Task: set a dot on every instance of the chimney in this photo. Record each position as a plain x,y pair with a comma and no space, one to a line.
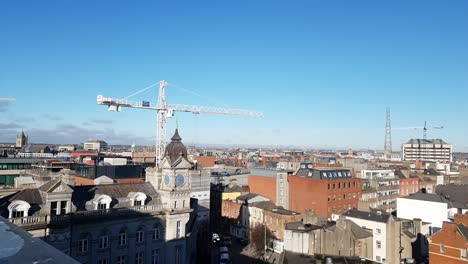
417,226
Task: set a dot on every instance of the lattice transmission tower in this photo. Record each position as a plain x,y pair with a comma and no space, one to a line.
388,133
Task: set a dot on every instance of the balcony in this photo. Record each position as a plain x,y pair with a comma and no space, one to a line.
388,187
388,197
35,222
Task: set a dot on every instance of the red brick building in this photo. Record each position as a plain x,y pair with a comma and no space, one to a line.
409,185
205,161
450,244
325,191
263,185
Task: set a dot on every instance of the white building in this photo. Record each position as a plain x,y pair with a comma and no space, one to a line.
97,145
428,207
427,150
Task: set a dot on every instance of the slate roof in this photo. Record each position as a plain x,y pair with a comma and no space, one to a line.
463,231
457,193
280,210
300,226
32,196
49,185
458,200
83,194
358,231
375,217
263,205
247,196
429,197
325,173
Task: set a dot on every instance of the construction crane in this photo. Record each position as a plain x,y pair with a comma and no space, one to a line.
424,128
165,111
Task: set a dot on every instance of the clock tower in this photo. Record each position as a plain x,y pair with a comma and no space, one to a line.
174,184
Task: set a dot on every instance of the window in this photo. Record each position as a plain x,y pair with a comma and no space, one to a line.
103,242
53,208
463,253
442,248
339,185
377,258
137,203
378,243
83,245
175,204
328,186
178,231
103,261
122,239
378,230
18,214
63,207
155,256
140,236
156,233
121,259
102,206
349,185
139,258
334,187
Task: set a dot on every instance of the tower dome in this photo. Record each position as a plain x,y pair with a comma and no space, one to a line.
176,149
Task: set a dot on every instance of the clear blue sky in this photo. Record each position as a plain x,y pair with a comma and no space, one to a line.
323,72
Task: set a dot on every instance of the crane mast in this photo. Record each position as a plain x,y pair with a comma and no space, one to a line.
165,111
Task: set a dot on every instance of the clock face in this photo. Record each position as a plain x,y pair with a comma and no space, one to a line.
179,180
167,179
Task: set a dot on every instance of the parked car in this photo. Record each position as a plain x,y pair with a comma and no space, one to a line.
224,258
223,250
224,173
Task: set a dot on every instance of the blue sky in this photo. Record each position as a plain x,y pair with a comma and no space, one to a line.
323,72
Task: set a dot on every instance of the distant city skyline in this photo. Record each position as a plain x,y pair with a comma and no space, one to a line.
322,72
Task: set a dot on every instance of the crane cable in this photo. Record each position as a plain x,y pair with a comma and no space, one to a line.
197,94
142,90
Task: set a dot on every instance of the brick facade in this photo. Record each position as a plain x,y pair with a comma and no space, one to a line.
449,245
409,186
324,197
265,186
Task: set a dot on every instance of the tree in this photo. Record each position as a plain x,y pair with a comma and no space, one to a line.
257,236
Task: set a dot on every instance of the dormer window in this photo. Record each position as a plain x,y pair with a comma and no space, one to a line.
137,198
18,208
103,202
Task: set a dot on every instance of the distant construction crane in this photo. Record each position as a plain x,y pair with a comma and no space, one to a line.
165,111
424,128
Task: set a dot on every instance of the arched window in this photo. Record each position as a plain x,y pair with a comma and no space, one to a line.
102,202
137,198
18,208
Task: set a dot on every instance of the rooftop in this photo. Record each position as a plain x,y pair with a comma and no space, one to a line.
371,216
325,173
426,141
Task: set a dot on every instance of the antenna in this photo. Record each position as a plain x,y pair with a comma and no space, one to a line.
388,133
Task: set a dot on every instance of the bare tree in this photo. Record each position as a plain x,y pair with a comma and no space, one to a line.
258,236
